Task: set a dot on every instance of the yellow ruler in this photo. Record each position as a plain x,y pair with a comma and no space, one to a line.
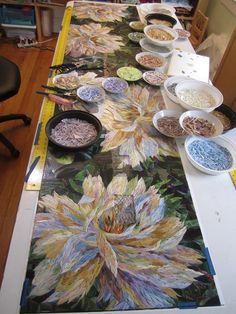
34,175
233,176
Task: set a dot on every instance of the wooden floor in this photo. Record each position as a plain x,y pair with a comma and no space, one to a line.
34,66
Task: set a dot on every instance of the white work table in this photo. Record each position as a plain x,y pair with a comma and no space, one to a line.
214,199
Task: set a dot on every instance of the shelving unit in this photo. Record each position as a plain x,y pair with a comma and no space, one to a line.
37,9
185,15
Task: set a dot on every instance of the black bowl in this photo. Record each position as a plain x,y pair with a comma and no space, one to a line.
73,114
229,113
161,17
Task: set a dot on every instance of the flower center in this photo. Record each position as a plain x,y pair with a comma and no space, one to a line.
120,216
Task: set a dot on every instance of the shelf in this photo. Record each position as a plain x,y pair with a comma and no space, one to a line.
49,5
18,26
15,3
33,4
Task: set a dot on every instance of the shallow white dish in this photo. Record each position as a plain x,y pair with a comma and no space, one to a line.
182,33
148,46
73,74
81,93
160,76
202,115
138,26
169,82
163,28
162,60
166,113
113,81
221,140
201,88
147,8
135,37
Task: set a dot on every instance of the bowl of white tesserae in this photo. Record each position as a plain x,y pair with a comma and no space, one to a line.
193,94
73,129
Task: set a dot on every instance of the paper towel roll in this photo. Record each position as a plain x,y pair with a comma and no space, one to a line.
46,22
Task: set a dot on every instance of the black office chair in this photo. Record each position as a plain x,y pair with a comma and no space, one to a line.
10,80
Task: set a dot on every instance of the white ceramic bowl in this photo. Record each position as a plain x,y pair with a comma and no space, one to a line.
202,115
85,93
147,8
148,46
163,28
221,140
135,37
137,26
162,60
201,88
114,82
161,77
169,82
165,113
73,74
182,33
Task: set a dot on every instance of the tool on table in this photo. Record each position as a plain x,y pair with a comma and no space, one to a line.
61,91
60,99
57,89
86,63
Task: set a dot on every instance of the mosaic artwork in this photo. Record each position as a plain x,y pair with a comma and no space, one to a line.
115,227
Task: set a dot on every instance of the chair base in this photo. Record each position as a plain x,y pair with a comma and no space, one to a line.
14,152
23,117
27,120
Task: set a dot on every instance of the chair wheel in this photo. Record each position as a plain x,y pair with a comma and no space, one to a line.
15,153
27,121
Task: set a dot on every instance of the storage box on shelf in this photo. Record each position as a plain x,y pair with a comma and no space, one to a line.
18,15
18,21
36,7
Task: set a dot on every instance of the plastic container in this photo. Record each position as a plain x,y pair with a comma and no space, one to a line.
13,31
18,15
46,16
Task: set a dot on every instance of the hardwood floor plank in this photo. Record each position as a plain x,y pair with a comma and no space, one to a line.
34,66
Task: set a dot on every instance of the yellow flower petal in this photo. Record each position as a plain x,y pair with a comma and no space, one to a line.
171,293
75,285
113,140
118,185
107,253
93,187
51,243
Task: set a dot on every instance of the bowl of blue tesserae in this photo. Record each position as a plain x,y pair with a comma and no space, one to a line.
211,156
